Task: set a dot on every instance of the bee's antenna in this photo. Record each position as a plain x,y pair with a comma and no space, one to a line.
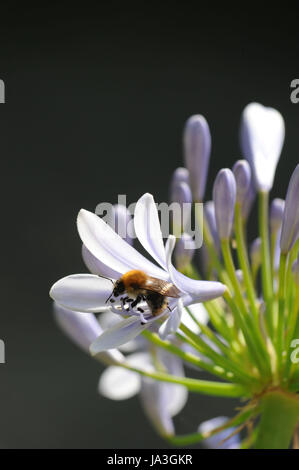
104,277
109,297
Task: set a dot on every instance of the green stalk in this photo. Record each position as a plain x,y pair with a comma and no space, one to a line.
207,237
219,323
281,308
280,414
244,262
267,283
188,357
205,387
292,322
264,233
210,334
251,332
195,437
218,359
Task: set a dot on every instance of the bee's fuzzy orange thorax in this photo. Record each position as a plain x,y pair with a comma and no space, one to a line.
133,279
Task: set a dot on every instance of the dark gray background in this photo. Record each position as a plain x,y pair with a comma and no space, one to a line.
96,99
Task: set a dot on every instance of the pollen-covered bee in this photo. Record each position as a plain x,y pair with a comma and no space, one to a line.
140,286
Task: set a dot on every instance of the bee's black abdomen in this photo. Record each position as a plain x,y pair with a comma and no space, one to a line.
156,302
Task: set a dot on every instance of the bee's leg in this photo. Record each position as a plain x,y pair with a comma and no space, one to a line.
124,303
136,301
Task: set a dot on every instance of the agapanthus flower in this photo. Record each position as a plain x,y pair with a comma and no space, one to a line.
246,335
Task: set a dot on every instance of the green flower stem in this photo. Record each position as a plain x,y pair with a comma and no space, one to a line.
266,261
280,414
292,322
196,437
234,345
273,245
210,334
205,387
290,285
218,359
188,357
250,330
244,262
207,238
294,386
220,324
281,308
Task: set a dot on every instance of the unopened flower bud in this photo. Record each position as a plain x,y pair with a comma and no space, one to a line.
256,252
180,175
248,200
224,196
242,174
209,212
184,251
295,270
197,149
262,137
290,223
276,214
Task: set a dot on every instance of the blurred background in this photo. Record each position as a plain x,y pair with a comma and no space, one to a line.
96,99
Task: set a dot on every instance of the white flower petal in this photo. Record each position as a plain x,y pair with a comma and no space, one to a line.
212,442
108,319
118,383
110,248
171,325
118,334
83,328
95,266
199,312
148,229
154,398
262,136
177,394
82,292
200,291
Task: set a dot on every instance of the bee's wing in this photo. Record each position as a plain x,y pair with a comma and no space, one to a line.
162,287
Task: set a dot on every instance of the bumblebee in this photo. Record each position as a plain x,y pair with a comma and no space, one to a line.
139,286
